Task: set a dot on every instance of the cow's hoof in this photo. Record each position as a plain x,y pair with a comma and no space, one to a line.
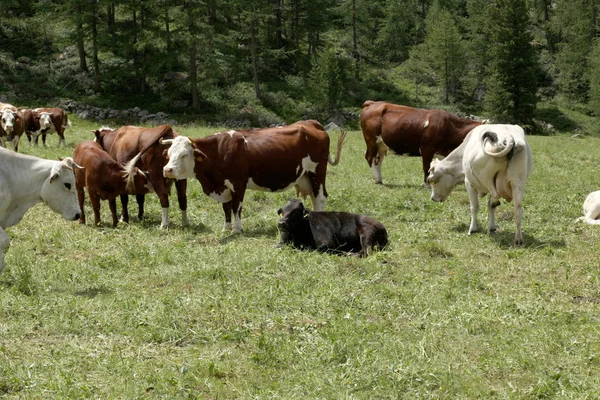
472,231
519,242
492,230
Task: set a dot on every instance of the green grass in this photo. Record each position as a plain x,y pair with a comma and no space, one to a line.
139,312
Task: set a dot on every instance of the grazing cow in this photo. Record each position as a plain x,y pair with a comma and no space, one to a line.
411,131
31,119
27,180
271,159
591,209
494,159
52,120
329,231
128,142
105,179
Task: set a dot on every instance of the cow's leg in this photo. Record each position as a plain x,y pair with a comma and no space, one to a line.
61,139
366,242
227,211
44,139
493,203
427,156
124,210
4,243
3,141
181,186
236,207
140,199
15,142
162,188
36,137
518,193
474,202
317,184
376,151
81,199
95,200
112,204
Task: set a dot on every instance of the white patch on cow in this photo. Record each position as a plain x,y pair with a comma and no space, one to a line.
297,169
426,124
303,187
223,197
319,201
165,218
181,159
238,219
231,132
309,165
229,185
376,167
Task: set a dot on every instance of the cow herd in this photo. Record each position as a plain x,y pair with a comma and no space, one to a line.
490,159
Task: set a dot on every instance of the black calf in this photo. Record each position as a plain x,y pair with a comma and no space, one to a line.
329,231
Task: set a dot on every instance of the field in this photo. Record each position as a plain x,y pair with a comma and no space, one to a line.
195,312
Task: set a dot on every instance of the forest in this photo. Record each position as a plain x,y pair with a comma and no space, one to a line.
264,62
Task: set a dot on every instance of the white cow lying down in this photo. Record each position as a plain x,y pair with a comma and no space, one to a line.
494,159
591,209
27,180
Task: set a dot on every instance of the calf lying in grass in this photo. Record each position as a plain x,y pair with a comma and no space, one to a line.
329,231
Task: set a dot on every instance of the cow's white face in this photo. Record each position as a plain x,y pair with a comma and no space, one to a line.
182,158
442,183
45,121
8,120
58,190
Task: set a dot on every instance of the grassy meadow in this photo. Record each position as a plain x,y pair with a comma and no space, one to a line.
195,312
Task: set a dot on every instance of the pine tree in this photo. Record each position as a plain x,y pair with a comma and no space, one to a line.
595,78
514,65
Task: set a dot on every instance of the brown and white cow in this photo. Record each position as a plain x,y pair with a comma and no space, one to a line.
127,142
11,125
105,179
271,159
52,120
412,131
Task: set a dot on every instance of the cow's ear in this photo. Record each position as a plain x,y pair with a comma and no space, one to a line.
54,176
166,154
199,156
280,212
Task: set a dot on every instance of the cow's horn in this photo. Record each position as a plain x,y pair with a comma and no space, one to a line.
168,142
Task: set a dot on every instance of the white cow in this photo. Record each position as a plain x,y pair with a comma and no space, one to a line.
494,159
27,180
8,113
591,209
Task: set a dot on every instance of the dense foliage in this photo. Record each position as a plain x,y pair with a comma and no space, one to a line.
271,60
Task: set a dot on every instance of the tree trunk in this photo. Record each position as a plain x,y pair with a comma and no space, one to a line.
254,61
95,45
355,42
278,27
80,44
167,27
193,62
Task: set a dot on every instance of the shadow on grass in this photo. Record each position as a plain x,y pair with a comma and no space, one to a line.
269,232
505,239
90,293
556,117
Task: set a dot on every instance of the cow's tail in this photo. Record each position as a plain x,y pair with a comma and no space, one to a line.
338,151
493,147
66,122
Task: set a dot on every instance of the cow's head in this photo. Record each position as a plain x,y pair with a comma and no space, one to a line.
58,190
100,133
182,156
8,120
45,120
293,215
441,180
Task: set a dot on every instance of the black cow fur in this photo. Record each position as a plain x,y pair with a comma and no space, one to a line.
329,231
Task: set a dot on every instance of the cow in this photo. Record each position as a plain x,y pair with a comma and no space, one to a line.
494,159
591,209
11,126
270,159
105,179
31,119
27,180
329,231
412,131
127,142
52,120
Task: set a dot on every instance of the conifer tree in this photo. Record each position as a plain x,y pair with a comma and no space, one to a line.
513,69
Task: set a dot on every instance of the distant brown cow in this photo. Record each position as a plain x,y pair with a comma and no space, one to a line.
128,142
412,131
271,160
52,120
105,179
11,125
